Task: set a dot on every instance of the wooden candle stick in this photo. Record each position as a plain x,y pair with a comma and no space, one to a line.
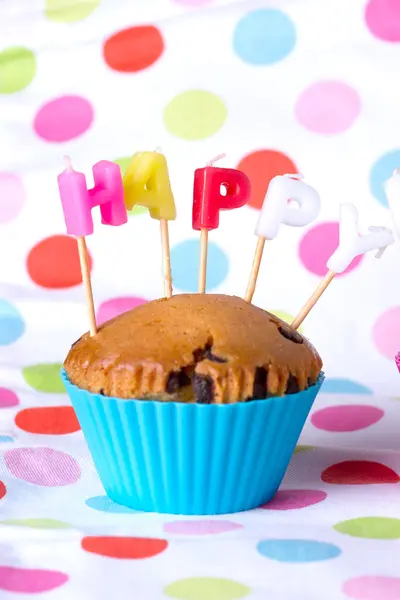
87,284
203,261
78,202
146,183
276,210
209,199
251,286
311,302
166,258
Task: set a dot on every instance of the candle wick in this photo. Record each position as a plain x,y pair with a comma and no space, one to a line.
68,163
217,158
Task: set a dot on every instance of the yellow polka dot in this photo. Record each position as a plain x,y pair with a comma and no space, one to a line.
195,115
67,11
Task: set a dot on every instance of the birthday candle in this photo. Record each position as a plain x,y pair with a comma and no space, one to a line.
78,202
208,201
146,183
289,201
351,244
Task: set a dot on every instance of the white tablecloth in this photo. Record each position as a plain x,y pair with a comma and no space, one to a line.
279,86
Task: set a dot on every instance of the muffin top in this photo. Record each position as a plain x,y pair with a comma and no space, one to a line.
202,348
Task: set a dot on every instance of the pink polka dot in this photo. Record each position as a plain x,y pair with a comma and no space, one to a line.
12,196
63,119
351,417
386,332
328,107
383,19
30,581
317,246
114,307
203,527
8,398
291,499
373,587
42,466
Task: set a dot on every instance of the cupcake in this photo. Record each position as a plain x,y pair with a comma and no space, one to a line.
192,404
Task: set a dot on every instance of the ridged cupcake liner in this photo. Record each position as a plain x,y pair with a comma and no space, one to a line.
191,459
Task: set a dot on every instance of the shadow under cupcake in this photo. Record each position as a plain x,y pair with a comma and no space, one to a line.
193,405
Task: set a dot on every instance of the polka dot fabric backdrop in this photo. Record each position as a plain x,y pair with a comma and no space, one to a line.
281,87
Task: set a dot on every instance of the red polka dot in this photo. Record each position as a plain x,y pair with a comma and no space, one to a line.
351,417
51,420
383,19
318,245
133,49
54,262
359,472
3,490
260,167
124,547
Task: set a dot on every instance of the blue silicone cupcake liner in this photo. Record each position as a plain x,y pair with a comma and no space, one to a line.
191,459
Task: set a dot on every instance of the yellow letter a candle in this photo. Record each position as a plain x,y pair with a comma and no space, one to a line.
146,183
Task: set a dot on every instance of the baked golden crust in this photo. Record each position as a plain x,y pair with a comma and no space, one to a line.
194,347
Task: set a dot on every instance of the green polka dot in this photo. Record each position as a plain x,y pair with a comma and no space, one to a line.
17,69
377,528
301,448
44,378
285,317
199,588
123,163
65,11
194,115
38,523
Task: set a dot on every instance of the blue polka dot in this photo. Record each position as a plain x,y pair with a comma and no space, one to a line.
11,323
297,551
344,386
6,438
263,37
381,171
185,265
105,504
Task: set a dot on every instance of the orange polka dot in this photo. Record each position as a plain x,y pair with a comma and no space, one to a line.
124,547
133,49
51,420
54,263
3,490
260,167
